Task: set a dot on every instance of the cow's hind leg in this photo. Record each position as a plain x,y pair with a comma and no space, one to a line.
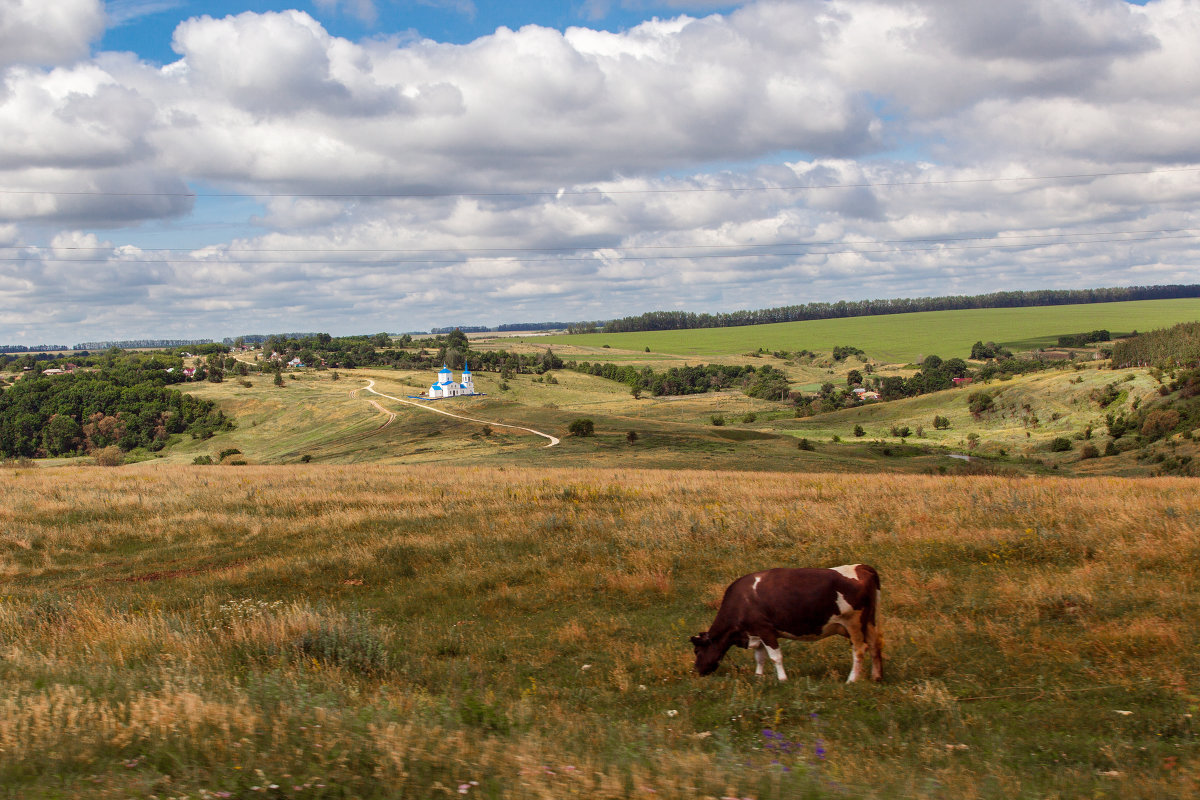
859,643
875,643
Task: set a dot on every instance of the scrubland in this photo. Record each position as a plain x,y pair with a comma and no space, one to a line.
318,631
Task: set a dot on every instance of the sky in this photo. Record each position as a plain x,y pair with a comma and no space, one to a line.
177,169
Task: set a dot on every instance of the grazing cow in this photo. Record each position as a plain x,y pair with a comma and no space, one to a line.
806,604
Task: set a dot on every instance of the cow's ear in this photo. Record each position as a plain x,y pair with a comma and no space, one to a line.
701,639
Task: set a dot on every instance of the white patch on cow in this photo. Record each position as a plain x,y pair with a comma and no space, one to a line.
849,570
843,606
757,581
777,659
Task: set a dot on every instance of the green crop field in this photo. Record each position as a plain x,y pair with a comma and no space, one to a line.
901,338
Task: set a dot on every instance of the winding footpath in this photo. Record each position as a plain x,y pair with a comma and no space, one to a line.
370,387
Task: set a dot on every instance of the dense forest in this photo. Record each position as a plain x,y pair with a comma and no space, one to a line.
684,320
1165,348
380,350
118,399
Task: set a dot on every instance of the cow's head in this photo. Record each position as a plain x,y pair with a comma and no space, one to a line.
709,651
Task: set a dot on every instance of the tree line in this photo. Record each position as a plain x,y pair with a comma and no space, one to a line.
685,320
124,399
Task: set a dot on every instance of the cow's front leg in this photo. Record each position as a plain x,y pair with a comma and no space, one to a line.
776,658
760,657
770,643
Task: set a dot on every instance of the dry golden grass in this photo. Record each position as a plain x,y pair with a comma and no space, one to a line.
383,631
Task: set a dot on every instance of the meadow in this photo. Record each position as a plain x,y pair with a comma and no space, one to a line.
904,338
374,631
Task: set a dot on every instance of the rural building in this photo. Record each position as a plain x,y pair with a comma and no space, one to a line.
446,387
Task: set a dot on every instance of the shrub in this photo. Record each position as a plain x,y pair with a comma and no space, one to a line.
717,420
1110,449
902,431
582,427
631,437
804,444
201,460
1159,422
1060,444
231,451
749,417
110,456
1089,450
980,402
941,423
307,457
859,430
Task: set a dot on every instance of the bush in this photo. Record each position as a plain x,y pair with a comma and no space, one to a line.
717,420
231,451
202,460
749,417
307,457
902,431
1060,444
110,456
1089,450
859,430
582,427
631,437
804,444
1159,423
940,423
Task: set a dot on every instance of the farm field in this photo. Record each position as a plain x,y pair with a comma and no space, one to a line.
903,338
389,631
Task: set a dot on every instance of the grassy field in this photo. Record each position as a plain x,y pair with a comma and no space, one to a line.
901,338
368,631
334,421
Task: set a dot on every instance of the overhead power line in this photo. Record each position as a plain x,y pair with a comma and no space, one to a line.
460,256
594,191
476,251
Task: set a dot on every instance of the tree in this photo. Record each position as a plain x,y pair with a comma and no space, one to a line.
61,435
582,427
854,378
631,437
859,430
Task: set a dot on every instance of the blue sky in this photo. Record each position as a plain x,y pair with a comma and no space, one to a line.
145,26
200,170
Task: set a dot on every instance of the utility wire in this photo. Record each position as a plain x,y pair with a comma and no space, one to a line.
596,191
615,257
1062,238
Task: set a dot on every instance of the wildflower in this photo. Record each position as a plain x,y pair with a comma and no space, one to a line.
586,666
819,749
1123,713
957,747
1112,773
672,712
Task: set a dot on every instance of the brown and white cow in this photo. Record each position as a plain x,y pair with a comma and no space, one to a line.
806,604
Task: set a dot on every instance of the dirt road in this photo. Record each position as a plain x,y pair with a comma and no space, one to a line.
370,387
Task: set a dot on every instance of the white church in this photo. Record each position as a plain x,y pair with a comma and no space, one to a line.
446,387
